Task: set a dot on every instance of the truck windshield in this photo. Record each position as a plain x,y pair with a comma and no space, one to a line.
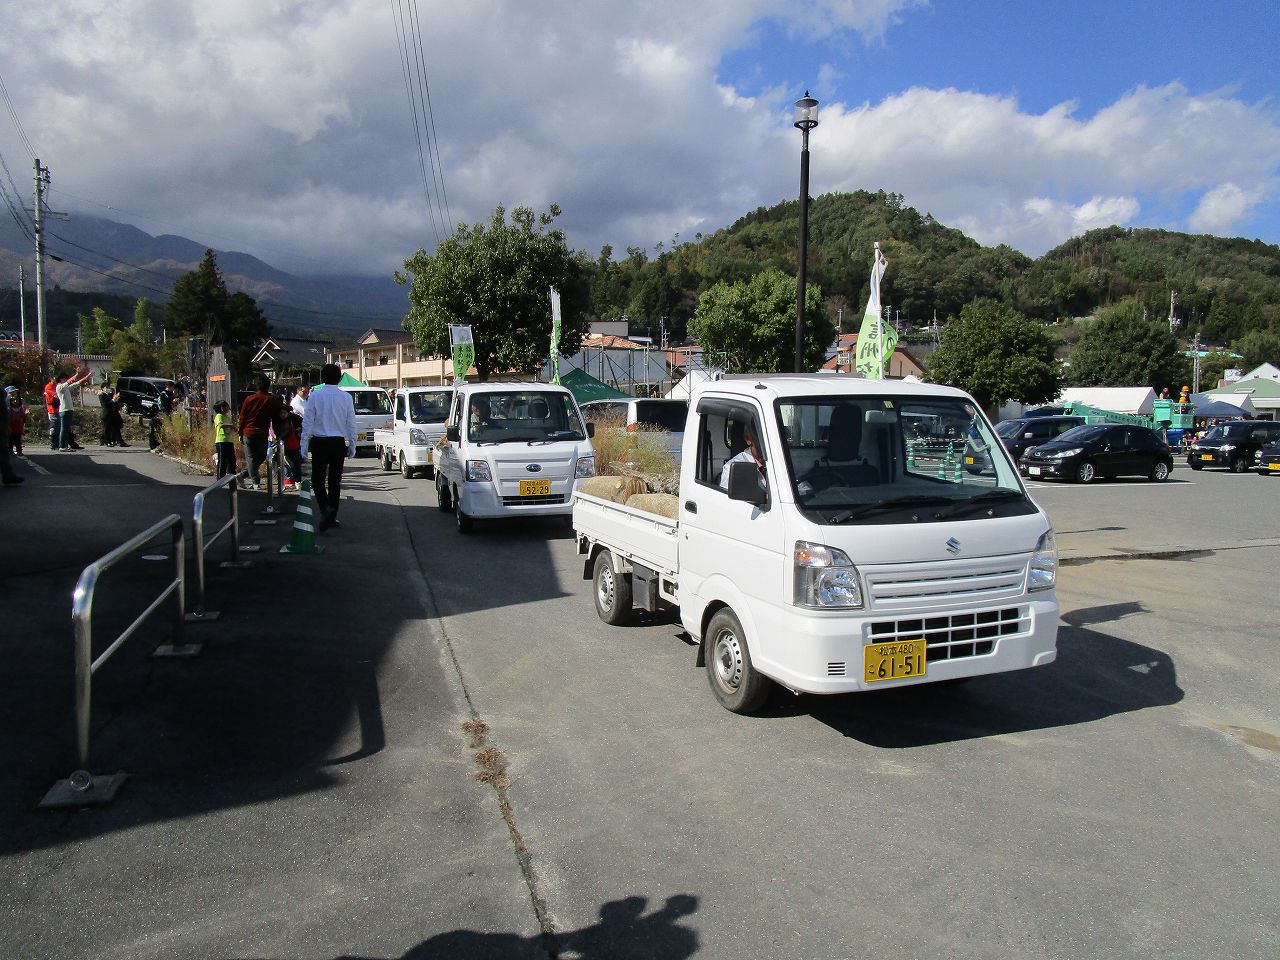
892,459
528,416
370,402
430,407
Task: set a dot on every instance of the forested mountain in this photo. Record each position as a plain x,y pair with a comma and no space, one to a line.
1225,286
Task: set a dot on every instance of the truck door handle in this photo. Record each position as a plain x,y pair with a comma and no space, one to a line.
691,506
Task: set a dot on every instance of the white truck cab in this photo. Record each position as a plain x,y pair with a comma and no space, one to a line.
512,450
373,411
417,426
850,551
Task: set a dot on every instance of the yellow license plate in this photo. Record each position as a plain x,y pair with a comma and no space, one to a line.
1206,456
968,461
1273,466
893,661
535,488
362,436
430,458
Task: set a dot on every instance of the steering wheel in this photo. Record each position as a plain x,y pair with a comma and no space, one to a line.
821,476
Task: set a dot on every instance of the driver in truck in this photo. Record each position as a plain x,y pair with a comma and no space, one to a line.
748,447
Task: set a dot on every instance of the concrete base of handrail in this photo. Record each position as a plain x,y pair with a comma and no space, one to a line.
83,789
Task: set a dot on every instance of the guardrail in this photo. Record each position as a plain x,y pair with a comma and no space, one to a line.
82,788
201,544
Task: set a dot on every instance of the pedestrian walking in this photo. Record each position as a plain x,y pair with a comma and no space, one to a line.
8,475
259,412
17,418
116,435
223,445
329,437
66,404
289,436
106,400
299,402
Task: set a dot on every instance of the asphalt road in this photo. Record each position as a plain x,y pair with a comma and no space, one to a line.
305,788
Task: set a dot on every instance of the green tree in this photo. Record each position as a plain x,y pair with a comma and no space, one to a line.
496,277
997,354
1122,348
201,307
754,323
1258,347
96,331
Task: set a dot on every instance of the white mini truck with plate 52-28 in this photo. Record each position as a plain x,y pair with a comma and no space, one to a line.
829,540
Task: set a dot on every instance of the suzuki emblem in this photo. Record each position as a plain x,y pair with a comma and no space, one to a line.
534,468
953,546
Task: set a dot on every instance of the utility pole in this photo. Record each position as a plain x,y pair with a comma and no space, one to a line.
1195,364
22,305
42,181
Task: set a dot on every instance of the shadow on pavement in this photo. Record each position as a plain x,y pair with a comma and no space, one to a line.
1096,675
624,932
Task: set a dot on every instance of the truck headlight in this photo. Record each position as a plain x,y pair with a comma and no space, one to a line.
478,470
417,437
1042,573
824,578
586,468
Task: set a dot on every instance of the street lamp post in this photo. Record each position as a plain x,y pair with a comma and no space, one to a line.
806,118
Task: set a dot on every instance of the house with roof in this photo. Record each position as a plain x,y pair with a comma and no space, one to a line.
843,358
292,359
1263,392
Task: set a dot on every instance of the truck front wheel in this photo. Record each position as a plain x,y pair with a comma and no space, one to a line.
734,681
612,590
443,498
406,471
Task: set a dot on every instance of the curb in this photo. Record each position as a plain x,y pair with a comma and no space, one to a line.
1068,558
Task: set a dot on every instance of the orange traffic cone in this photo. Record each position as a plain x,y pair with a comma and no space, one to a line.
304,529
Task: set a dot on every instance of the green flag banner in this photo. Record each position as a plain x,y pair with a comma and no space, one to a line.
555,335
464,351
876,339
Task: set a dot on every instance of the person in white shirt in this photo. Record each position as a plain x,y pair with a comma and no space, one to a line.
749,454
299,402
66,401
329,436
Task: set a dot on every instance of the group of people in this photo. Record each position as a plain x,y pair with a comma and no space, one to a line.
112,417
59,402
320,423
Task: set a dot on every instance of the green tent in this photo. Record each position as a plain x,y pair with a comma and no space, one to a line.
349,381
585,387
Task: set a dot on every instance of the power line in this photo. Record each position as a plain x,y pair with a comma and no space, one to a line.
413,66
13,115
402,45
433,141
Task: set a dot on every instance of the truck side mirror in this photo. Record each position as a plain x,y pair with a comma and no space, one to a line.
453,434
591,430
744,484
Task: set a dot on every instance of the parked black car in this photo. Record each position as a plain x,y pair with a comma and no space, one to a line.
1232,444
1100,450
142,394
1021,434
1267,460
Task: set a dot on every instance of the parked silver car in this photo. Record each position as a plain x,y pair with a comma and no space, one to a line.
666,417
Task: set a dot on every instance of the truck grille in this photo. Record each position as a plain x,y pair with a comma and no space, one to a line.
955,636
903,586
532,501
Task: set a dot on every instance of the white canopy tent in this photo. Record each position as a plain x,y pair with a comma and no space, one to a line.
1138,401
1240,400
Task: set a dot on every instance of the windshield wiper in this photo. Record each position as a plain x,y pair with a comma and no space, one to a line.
987,496
558,435
892,503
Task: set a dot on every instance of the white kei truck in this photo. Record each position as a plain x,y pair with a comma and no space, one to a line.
852,552
417,426
512,450
373,410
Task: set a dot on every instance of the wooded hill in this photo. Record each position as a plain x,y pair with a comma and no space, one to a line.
1226,287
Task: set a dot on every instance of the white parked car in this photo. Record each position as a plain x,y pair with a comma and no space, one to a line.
666,417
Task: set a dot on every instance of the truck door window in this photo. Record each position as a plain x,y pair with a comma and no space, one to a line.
399,406
721,436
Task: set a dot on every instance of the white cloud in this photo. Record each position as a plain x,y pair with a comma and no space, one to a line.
283,128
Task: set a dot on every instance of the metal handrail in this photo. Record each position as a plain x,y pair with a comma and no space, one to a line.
82,617
201,544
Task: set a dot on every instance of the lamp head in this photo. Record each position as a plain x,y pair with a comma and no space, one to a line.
806,112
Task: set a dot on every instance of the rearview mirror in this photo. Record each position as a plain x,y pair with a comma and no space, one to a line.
591,430
744,484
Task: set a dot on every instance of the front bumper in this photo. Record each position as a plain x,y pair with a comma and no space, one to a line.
1052,469
482,501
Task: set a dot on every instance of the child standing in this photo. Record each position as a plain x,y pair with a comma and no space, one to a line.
17,419
223,431
290,434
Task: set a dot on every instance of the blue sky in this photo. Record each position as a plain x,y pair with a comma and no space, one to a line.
283,129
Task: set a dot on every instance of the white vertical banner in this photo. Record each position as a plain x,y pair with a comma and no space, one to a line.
555,335
464,351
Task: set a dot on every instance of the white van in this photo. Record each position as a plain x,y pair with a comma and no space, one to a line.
373,412
512,450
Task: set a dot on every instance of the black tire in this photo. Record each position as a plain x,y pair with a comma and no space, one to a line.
1086,472
406,471
612,591
1159,472
1195,466
443,499
387,465
1238,465
734,681
463,522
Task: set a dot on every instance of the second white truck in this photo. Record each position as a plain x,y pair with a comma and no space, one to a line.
827,539
417,425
